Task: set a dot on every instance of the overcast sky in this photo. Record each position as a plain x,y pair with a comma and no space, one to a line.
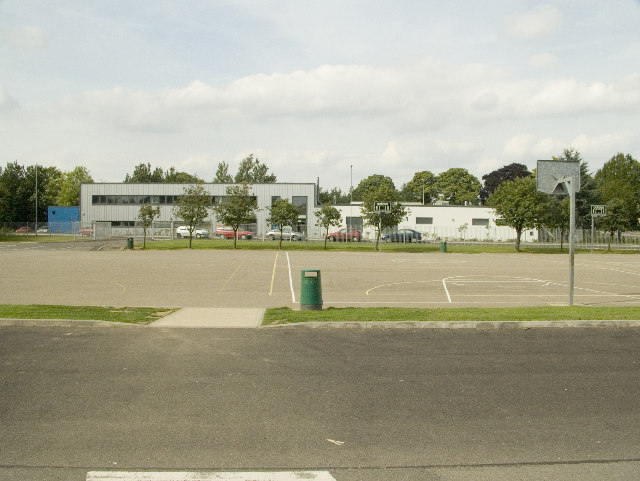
314,87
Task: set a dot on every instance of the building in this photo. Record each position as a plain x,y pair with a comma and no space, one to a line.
119,204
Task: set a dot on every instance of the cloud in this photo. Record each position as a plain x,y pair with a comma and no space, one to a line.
544,61
7,102
27,37
538,23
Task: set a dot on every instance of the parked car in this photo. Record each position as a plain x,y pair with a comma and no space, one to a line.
287,234
43,229
403,235
88,232
226,232
183,231
346,234
24,230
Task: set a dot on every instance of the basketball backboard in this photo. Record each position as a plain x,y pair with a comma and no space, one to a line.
551,176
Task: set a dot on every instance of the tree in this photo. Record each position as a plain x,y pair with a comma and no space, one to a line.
142,173
69,191
174,177
554,214
382,220
518,203
327,216
421,188
251,171
335,197
283,213
493,179
146,215
458,186
193,207
16,200
616,219
238,207
372,183
619,178
222,174
42,185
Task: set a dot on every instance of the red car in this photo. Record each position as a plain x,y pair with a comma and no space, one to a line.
346,234
226,232
24,229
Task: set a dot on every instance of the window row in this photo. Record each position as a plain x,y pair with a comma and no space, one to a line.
147,199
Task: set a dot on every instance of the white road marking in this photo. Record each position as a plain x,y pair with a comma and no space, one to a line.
200,476
337,443
293,294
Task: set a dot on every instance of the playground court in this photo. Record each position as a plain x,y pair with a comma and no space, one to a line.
248,278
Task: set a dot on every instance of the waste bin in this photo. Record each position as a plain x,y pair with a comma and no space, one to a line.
443,246
310,290
130,243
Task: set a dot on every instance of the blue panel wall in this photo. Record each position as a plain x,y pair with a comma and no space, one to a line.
63,219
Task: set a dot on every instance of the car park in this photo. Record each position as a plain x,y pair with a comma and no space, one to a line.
403,235
183,231
287,234
346,234
226,232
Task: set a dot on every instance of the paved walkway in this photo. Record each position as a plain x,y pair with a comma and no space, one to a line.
212,317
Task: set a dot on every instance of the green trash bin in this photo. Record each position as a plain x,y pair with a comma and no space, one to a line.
443,246
311,290
130,243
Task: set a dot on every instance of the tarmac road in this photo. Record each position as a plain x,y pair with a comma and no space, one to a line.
364,405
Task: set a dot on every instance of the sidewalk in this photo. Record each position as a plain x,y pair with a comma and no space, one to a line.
212,317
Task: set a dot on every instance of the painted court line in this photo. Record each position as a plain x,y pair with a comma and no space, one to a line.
293,294
200,476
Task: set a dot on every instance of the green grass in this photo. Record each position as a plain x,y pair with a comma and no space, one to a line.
360,246
42,238
132,315
285,315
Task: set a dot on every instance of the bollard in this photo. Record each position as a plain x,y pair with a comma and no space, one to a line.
443,246
311,290
129,242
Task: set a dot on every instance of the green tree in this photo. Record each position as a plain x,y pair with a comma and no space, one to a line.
16,195
335,197
493,179
174,177
251,171
619,178
373,183
222,174
421,188
458,186
554,214
46,182
617,218
142,173
382,220
518,204
146,215
69,188
238,207
283,213
327,216
193,207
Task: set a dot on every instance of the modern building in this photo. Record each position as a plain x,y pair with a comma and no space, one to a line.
119,204
62,219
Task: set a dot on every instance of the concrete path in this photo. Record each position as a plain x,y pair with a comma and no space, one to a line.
212,317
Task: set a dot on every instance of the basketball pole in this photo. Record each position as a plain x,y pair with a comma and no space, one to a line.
572,233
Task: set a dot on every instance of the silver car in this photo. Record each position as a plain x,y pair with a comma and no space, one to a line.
287,234
183,231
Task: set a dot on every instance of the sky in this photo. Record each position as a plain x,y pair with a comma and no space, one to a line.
333,89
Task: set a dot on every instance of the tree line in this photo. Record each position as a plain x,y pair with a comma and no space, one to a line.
509,189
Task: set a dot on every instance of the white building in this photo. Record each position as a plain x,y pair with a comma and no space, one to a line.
119,204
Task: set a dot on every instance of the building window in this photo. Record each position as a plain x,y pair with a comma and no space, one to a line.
483,222
424,220
354,222
274,198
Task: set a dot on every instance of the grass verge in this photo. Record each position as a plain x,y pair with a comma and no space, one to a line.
285,315
131,315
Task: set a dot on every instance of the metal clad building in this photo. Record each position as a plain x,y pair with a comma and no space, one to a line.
119,203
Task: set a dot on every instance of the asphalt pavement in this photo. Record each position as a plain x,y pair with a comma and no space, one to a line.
359,404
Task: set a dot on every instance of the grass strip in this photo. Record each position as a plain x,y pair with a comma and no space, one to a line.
131,315
286,315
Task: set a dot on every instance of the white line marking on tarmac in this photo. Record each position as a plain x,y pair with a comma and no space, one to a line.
293,295
200,476
273,274
444,284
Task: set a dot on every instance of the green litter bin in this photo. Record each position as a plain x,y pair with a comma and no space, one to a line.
311,290
443,246
130,243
